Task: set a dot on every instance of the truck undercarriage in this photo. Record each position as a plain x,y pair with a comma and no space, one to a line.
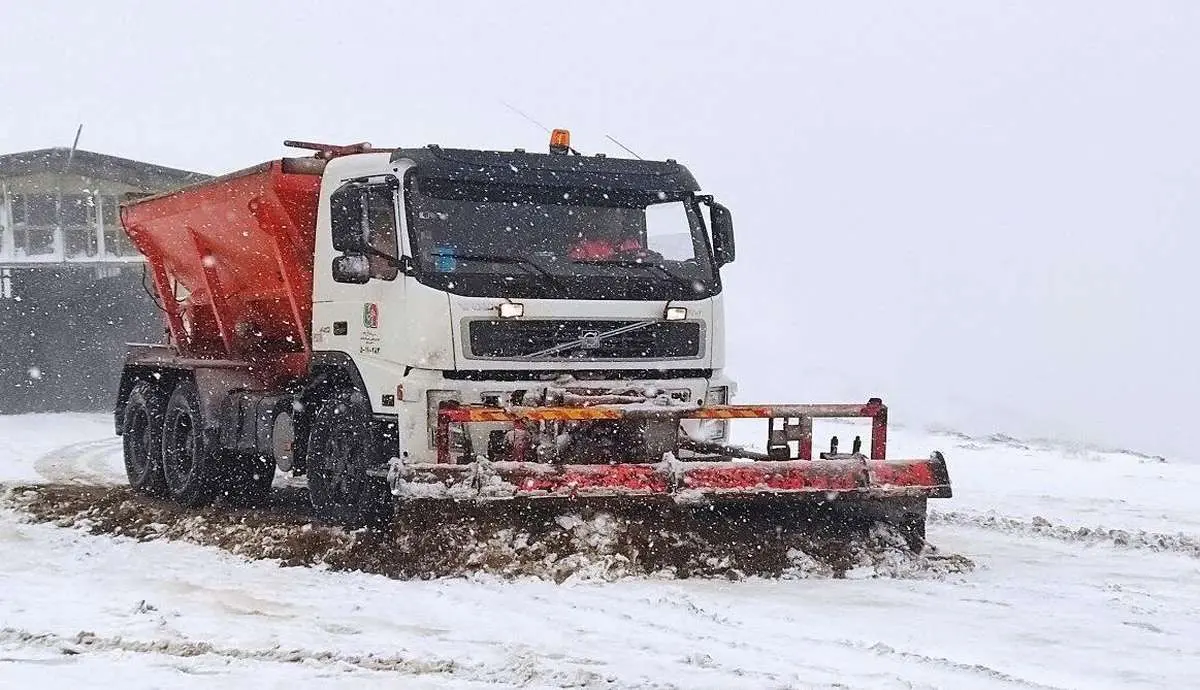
611,450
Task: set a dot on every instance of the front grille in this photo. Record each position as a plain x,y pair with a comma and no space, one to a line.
524,338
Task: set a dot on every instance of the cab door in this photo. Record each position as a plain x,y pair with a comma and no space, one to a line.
358,305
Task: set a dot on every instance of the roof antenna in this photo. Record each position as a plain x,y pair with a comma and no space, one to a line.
613,140
525,115
74,145
513,108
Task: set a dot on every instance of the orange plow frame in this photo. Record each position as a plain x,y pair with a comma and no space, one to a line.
784,469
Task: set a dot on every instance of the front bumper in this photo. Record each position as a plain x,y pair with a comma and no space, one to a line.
423,390
528,464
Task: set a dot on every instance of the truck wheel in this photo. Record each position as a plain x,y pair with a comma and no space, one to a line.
141,432
341,447
247,479
189,455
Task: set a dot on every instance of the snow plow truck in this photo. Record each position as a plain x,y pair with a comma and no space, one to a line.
447,325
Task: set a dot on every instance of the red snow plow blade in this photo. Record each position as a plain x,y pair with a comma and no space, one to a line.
647,454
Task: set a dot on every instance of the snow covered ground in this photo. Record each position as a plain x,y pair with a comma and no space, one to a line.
1088,577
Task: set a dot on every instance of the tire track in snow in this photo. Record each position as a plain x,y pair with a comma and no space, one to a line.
652,628
89,462
84,642
885,650
880,649
1136,539
648,615
520,669
698,637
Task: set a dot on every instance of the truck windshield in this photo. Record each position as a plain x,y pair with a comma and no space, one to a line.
559,242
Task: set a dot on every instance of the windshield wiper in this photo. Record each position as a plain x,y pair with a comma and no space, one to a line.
515,260
632,262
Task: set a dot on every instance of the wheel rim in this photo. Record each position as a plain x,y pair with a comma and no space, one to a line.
179,450
338,464
137,436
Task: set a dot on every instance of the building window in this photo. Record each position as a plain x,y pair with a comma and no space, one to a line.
35,209
76,209
79,224
35,218
116,242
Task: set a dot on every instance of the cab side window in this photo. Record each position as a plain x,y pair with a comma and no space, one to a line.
380,212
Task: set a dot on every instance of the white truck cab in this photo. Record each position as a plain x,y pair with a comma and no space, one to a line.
477,276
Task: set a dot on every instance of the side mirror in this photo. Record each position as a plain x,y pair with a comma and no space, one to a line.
722,233
351,268
346,218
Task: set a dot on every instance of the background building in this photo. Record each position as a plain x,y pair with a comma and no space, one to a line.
71,285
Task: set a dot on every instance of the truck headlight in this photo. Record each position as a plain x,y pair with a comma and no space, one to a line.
434,399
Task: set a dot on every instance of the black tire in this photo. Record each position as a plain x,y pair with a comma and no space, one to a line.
190,459
246,479
141,433
341,447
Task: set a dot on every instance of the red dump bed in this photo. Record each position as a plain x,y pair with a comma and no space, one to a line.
233,260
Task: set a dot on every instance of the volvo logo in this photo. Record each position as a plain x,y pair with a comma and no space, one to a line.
589,340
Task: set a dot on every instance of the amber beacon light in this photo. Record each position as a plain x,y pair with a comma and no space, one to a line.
560,141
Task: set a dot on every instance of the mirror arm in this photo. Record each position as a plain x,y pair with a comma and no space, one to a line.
404,264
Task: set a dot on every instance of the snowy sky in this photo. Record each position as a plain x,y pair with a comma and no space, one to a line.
985,212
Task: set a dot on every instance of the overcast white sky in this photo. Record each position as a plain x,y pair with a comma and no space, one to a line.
985,212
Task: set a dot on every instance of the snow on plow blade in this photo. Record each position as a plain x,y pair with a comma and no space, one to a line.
527,457
820,480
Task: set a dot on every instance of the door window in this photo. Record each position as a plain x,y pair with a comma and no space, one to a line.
381,230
